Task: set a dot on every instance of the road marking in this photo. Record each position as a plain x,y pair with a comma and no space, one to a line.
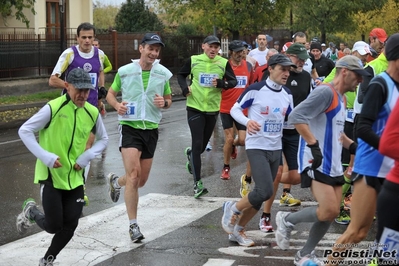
102,235
219,262
105,234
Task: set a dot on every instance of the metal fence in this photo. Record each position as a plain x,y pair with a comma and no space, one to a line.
24,53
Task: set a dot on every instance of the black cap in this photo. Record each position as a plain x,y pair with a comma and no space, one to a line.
79,78
152,38
236,46
280,59
211,39
315,45
392,47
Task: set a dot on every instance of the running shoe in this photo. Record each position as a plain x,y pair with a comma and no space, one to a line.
208,146
86,198
245,187
265,224
283,232
234,153
199,189
225,173
187,152
46,262
343,217
241,238
308,260
135,234
230,218
288,200
24,220
114,192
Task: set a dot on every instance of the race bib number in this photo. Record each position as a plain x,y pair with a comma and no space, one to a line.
241,82
205,79
93,77
350,115
272,128
130,112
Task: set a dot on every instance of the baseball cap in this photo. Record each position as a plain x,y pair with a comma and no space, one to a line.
79,78
276,43
236,46
379,33
361,47
299,50
211,39
245,44
323,44
331,44
392,47
280,59
352,63
286,46
152,38
249,47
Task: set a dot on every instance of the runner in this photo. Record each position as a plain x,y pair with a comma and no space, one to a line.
209,74
267,103
320,157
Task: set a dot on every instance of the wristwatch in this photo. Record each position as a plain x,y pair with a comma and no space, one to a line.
166,104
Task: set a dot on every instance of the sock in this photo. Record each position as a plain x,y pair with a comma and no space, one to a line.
234,208
306,215
133,221
116,183
248,179
316,233
286,190
226,165
345,188
238,228
265,214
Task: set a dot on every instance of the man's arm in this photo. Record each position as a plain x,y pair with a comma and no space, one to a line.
27,134
229,79
373,102
107,64
182,75
365,83
56,82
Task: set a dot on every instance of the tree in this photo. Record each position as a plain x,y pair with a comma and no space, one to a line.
326,16
235,16
135,16
7,7
104,15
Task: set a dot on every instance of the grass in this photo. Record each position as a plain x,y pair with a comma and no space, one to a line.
35,97
30,98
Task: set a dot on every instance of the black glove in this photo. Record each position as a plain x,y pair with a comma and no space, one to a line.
102,93
317,155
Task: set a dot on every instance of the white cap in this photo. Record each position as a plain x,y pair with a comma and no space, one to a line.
220,51
323,44
361,47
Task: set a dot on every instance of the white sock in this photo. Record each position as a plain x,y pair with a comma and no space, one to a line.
133,221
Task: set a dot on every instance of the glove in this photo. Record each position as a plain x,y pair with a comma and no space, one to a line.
102,93
316,153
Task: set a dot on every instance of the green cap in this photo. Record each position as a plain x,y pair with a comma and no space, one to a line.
299,50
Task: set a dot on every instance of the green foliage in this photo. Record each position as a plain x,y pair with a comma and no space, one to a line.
6,9
104,15
229,16
134,16
29,98
326,16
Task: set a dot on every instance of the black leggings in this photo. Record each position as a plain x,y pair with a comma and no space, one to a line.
62,210
201,127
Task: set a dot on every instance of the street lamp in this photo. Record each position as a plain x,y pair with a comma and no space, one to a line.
62,31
